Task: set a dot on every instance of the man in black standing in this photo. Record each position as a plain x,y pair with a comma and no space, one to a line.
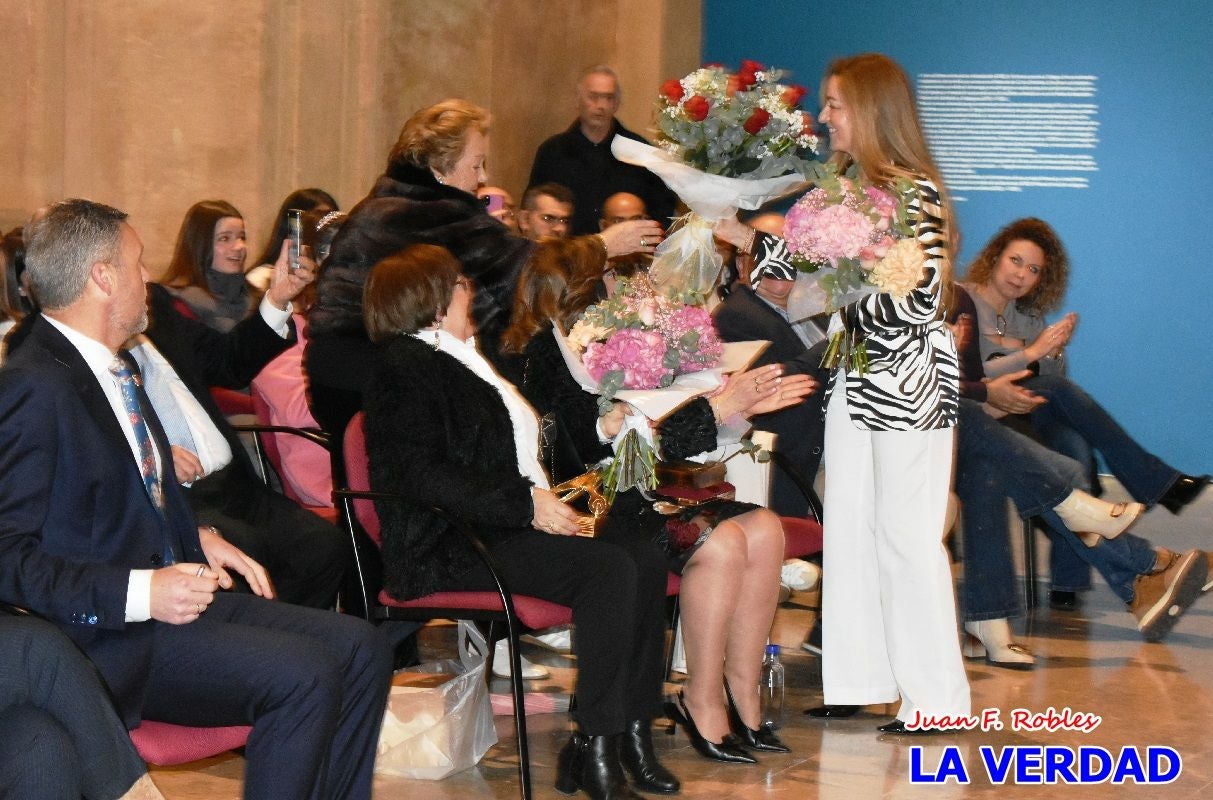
581,159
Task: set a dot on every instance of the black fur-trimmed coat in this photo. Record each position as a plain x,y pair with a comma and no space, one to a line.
405,206
440,436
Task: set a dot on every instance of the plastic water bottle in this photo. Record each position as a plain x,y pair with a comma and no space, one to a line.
771,688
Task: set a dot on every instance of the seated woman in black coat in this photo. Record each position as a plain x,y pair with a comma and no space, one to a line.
729,553
445,430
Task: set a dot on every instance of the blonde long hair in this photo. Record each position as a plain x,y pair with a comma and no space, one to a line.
886,136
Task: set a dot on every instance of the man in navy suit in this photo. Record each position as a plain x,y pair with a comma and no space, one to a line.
759,311
96,536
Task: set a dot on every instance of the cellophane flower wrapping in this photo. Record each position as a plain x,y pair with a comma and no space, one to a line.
726,141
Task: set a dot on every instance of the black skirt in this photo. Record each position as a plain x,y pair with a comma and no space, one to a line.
678,535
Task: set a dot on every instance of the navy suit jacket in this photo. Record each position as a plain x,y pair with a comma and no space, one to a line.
744,316
75,518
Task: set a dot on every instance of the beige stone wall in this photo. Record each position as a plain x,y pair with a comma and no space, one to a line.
152,105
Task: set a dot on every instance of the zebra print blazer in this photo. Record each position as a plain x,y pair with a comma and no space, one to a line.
913,380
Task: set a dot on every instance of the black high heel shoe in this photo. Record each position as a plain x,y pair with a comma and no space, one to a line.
1184,490
729,750
764,739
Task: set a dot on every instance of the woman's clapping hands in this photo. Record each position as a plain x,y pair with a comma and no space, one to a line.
760,391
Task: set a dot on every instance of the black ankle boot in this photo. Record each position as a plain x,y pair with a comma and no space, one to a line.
638,758
568,764
592,764
1185,489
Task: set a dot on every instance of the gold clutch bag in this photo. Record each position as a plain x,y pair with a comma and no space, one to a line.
589,485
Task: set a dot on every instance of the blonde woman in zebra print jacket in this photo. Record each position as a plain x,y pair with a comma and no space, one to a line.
889,609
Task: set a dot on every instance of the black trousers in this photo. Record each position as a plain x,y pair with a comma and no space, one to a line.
60,736
313,684
616,590
305,556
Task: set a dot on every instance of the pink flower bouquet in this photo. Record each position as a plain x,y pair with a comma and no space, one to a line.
655,351
854,241
840,232
641,338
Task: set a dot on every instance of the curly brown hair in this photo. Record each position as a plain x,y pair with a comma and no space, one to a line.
1053,278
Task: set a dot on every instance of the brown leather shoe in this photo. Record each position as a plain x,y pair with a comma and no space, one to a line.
1161,596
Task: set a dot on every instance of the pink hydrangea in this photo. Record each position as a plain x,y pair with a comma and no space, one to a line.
826,234
707,349
638,354
883,204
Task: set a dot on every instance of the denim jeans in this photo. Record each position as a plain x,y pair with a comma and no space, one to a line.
1067,572
994,462
1144,475
1074,424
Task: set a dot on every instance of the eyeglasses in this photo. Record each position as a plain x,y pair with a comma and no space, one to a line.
466,283
552,219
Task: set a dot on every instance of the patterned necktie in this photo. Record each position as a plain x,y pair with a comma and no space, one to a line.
128,385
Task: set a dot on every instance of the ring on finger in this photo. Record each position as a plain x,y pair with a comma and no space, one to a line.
199,606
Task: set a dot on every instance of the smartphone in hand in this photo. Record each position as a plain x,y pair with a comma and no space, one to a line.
294,235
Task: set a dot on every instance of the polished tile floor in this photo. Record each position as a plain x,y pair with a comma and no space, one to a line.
1091,661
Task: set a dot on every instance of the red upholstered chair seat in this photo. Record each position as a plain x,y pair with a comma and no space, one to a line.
165,745
231,402
532,612
801,537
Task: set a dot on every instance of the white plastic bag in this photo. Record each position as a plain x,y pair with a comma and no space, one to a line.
431,732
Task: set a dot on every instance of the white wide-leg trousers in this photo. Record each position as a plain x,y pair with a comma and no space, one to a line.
889,624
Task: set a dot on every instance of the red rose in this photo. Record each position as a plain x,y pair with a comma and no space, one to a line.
808,125
746,76
793,93
696,108
673,90
757,121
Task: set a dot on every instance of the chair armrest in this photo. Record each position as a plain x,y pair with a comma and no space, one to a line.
315,435
803,483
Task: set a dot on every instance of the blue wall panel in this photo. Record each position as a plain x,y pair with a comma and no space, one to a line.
1139,237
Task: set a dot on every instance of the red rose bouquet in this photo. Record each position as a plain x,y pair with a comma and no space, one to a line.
727,140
